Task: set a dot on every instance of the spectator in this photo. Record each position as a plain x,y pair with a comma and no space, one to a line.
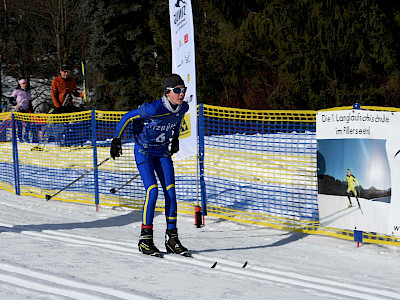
23,104
63,87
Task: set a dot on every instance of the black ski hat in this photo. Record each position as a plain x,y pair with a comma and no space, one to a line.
64,68
172,81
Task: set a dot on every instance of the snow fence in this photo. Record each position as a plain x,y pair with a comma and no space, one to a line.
255,167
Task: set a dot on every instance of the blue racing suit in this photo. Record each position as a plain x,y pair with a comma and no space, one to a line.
155,124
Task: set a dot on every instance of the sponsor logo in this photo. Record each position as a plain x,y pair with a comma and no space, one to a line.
178,3
162,127
186,130
187,58
180,12
189,99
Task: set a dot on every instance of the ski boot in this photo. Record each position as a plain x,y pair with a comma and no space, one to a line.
172,243
146,244
350,205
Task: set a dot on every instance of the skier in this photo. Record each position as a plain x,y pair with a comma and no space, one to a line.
351,190
154,124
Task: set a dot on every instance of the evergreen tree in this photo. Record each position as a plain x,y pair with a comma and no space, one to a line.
123,51
300,55
292,54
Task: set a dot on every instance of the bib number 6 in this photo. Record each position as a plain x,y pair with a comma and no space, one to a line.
161,138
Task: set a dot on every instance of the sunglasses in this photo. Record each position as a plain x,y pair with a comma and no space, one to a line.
178,90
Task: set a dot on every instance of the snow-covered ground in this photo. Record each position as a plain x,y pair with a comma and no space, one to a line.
57,250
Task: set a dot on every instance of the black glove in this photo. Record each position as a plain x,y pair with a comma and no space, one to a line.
116,148
174,145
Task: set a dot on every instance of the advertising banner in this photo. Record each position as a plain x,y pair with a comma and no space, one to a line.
359,170
183,63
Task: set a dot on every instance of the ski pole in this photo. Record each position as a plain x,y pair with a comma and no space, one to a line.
67,100
18,105
358,202
84,82
48,197
114,190
359,206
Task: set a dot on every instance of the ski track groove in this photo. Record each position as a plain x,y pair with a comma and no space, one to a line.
45,282
53,284
223,266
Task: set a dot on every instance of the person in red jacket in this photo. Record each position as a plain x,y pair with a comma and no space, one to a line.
63,87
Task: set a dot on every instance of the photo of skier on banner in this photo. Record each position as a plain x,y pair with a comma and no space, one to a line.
365,176
156,128
351,187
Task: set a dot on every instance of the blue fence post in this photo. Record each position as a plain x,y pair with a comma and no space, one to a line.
358,237
15,156
96,172
201,132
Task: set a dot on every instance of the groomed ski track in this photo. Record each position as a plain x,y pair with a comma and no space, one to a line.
20,276
56,285
65,287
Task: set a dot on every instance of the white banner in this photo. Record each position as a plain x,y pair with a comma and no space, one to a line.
358,170
183,63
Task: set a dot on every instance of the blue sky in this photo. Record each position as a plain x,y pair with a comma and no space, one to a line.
366,159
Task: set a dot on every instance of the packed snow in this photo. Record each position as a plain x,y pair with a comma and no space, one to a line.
60,250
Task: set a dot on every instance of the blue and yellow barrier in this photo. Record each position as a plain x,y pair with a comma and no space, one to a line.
256,167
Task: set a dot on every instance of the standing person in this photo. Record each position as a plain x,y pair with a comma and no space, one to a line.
23,104
351,190
154,124
63,87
